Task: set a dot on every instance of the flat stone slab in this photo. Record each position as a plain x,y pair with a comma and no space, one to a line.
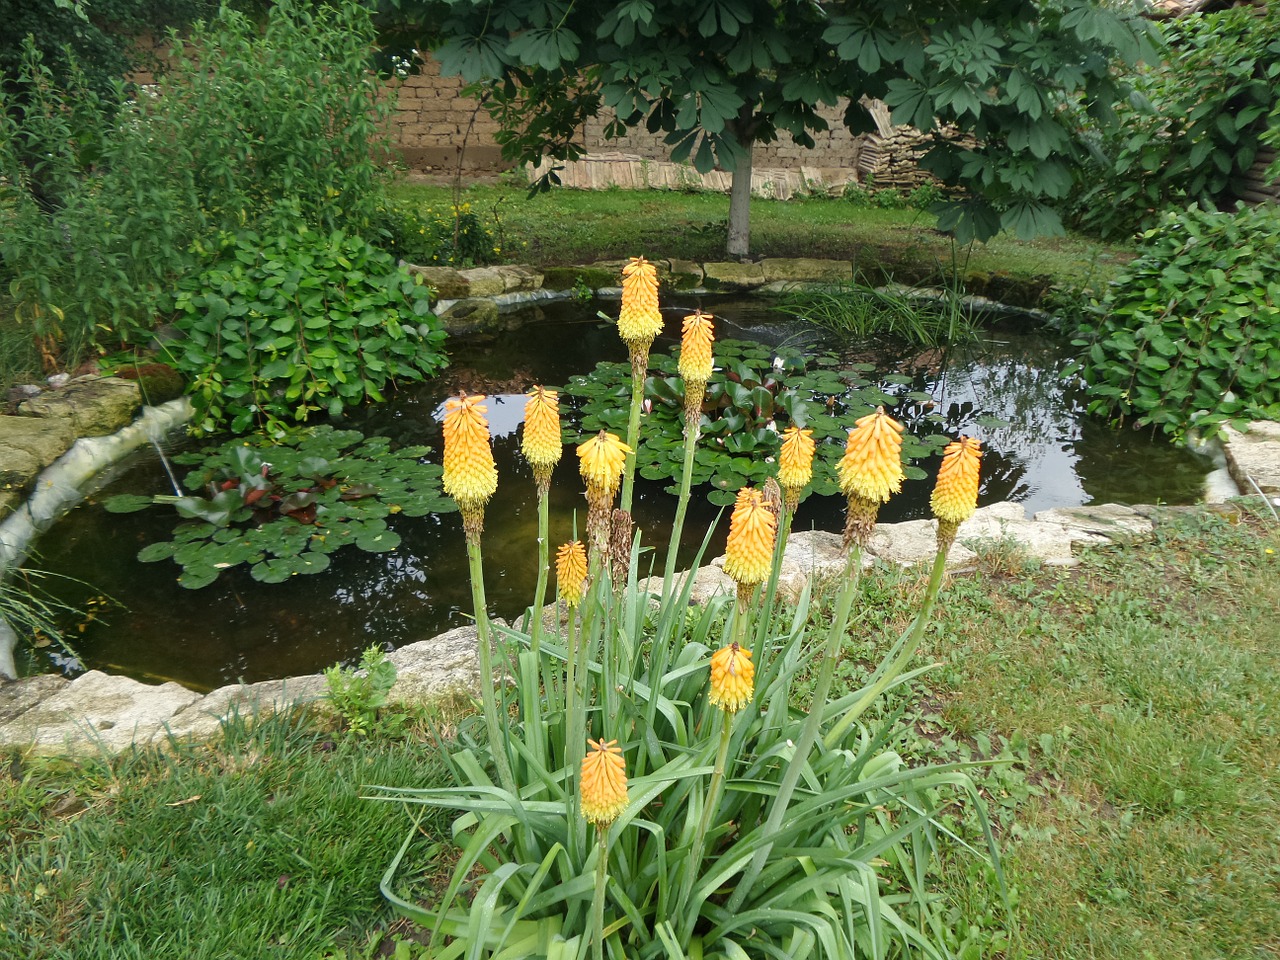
438,667
1254,455
204,718
44,440
97,712
95,406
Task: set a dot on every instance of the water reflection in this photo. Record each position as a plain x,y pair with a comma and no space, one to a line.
1042,451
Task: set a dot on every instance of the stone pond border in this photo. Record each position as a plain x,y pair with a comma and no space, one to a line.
97,712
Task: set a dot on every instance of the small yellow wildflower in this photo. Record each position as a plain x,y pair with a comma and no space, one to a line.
748,552
956,495
601,460
732,678
603,784
571,573
872,464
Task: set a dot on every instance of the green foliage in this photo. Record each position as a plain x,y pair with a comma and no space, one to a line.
754,393
424,235
748,71
1195,123
37,616
846,870
284,508
858,312
105,199
283,326
1189,335
358,693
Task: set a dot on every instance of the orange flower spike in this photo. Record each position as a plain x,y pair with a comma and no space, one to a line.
872,464
732,678
601,460
696,361
748,553
541,443
571,573
955,496
603,784
795,460
639,320
470,475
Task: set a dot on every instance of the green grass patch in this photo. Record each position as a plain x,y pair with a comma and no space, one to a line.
585,226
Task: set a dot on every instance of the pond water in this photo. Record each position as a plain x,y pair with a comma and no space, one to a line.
1045,452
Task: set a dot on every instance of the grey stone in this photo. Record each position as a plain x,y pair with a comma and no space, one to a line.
17,469
812,557
731,274
483,281
45,440
516,277
447,282
470,316
804,268
916,542
97,712
94,406
19,696
204,718
1100,523
688,268
58,380
439,667
708,582
1254,456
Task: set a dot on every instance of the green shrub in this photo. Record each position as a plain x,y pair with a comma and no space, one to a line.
454,235
1194,123
126,192
281,327
1189,334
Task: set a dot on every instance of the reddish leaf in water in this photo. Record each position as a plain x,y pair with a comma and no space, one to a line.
254,495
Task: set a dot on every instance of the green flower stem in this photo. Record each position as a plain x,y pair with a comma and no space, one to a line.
639,366
891,672
540,591
687,916
597,906
575,732
691,431
497,741
809,734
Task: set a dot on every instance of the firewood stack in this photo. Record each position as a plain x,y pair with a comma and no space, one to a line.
889,156
1253,185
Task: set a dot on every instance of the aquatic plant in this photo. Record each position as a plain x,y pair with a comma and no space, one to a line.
283,508
751,396
656,799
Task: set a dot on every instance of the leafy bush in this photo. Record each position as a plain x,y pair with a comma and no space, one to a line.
123,192
281,327
455,236
1194,123
359,693
321,490
1189,334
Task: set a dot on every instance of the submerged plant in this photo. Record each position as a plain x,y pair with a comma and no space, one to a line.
284,508
655,799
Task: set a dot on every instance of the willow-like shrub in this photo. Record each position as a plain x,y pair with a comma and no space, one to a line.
650,786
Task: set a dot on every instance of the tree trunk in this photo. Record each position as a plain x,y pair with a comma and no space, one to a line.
739,241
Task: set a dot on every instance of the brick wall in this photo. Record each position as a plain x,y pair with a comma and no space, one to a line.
434,119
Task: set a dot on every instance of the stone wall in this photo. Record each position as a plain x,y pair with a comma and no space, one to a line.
434,119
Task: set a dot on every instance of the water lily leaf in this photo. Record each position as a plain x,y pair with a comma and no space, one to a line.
382,542
195,577
157,551
127,503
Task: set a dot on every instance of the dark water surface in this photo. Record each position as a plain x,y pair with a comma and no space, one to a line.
1050,454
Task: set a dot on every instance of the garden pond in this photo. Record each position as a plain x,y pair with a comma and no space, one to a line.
1041,450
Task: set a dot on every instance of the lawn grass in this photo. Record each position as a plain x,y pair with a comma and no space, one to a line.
1129,704
566,227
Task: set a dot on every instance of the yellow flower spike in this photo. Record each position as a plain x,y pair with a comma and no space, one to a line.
571,573
601,460
955,496
696,361
795,463
470,475
748,553
732,678
871,467
541,442
639,320
602,787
